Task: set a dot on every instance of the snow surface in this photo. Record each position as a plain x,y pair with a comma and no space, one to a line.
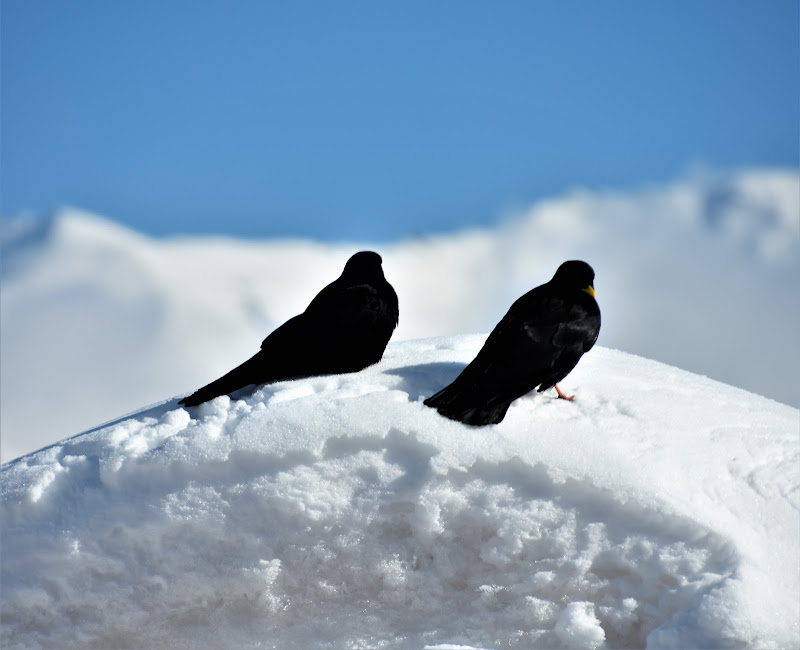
703,274
660,509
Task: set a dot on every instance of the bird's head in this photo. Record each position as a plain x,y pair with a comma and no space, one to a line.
575,275
365,264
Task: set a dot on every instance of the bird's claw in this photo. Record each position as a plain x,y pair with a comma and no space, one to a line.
561,395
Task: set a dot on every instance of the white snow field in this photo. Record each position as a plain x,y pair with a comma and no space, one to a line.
660,509
703,274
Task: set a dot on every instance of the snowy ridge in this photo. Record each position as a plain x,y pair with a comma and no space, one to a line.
699,274
660,510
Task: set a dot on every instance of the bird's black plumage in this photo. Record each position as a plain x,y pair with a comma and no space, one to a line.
345,328
536,344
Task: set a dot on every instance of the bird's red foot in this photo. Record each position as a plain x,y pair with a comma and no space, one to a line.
561,395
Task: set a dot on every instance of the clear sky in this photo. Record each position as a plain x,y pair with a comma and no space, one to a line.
375,120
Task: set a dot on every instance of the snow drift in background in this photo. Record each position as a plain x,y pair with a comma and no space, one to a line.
98,320
658,509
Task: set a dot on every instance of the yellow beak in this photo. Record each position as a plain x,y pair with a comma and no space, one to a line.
589,290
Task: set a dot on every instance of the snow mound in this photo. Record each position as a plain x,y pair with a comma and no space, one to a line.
106,319
659,509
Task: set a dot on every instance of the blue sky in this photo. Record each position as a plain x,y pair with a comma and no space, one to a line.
377,120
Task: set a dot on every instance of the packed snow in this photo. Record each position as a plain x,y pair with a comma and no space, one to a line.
97,320
660,509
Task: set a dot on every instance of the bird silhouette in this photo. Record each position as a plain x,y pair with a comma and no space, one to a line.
345,328
536,344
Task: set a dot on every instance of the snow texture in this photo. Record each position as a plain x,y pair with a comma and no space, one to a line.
703,274
660,509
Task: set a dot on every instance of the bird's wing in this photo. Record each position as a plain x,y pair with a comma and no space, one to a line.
290,350
543,320
561,340
532,318
329,306
286,336
578,326
331,309
524,343
345,303
332,335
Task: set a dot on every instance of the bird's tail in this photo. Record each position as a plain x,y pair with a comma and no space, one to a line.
237,378
465,407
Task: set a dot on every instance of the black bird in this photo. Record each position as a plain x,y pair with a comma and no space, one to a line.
345,328
537,343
